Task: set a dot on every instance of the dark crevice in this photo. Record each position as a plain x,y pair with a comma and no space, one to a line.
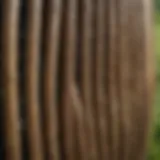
1,94
21,55
60,80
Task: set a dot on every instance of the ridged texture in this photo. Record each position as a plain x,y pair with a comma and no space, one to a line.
9,52
32,63
82,74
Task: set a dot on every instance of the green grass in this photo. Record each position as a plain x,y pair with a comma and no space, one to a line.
154,148
157,51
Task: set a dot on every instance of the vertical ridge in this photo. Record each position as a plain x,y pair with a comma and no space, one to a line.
86,77
124,76
9,40
99,78
69,55
52,23
32,59
139,81
113,81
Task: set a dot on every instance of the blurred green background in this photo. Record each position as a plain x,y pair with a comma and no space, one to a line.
154,146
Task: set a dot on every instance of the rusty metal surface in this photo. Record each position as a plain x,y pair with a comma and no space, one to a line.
77,78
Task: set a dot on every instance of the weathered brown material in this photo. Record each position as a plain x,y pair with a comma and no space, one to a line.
86,85
32,70
89,79
69,55
9,41
51,42
99,70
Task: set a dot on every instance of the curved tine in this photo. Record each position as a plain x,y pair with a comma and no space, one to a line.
10,78
34,9
53,12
